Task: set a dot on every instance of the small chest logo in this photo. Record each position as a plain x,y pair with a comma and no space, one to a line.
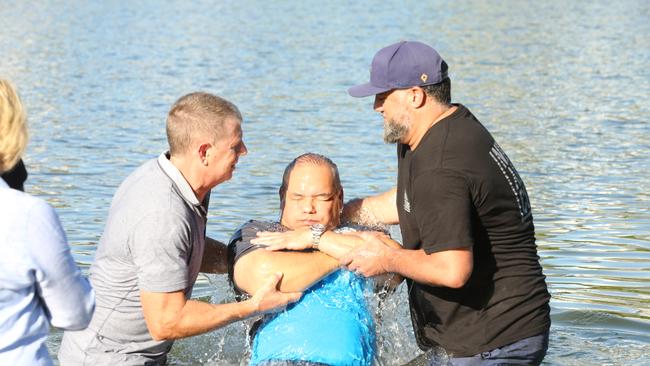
407,204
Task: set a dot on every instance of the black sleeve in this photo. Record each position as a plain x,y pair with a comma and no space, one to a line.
443,209
241,239
240,242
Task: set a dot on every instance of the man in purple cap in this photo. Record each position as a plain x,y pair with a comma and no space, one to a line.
475,283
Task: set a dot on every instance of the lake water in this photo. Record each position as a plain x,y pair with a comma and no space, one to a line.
563,86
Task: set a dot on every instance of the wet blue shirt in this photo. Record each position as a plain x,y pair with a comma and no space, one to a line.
331,324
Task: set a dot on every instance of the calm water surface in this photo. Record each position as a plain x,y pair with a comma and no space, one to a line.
563,86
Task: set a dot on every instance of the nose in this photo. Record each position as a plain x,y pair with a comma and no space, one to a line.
307,205
244,149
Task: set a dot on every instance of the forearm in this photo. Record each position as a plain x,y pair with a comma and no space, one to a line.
72,307
300,269
373,210
67,295
336,245
63,290
214,257
197,317
303,277
451,268
170,316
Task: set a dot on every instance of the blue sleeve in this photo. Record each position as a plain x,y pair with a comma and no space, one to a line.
67,296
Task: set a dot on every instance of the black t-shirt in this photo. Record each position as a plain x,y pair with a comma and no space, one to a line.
458,189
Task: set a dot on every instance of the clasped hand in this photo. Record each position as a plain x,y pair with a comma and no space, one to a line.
269,298
373,257
298,239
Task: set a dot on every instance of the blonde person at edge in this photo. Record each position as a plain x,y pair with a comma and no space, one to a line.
154,246
40,284
332,324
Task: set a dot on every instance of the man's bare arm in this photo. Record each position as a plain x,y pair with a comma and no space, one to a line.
337,245
334,244
331,243
214,257
373,210
170,316
449,268
301,269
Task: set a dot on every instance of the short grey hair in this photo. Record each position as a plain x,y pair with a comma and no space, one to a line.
198,114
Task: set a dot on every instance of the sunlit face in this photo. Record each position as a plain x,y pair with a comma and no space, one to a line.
311,197
224,154
397,122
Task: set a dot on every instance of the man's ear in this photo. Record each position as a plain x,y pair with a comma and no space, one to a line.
204,152
417,97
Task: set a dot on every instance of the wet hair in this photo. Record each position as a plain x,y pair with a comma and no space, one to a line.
440,92
198,115
13,127
313,159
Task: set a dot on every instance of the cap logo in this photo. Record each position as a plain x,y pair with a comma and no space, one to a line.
424,78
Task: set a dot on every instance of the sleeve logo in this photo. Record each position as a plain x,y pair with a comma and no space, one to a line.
514,180
407,203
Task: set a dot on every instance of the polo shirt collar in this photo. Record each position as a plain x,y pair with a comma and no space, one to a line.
179,181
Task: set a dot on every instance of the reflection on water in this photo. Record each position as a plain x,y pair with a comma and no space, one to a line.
563,87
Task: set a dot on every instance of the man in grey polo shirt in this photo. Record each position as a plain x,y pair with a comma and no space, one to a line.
154,246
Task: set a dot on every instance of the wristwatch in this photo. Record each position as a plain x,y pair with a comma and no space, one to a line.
317,231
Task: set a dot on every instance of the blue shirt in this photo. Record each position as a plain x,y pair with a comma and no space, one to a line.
40,283
331,324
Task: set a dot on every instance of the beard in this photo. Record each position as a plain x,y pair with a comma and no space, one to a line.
395,129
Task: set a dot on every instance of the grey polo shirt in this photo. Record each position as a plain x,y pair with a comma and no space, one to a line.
153,241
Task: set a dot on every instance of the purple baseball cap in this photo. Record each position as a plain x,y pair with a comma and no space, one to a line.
402,65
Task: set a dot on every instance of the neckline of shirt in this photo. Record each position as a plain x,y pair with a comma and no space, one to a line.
179,181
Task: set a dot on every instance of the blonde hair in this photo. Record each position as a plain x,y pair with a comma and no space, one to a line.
198,115
13,127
